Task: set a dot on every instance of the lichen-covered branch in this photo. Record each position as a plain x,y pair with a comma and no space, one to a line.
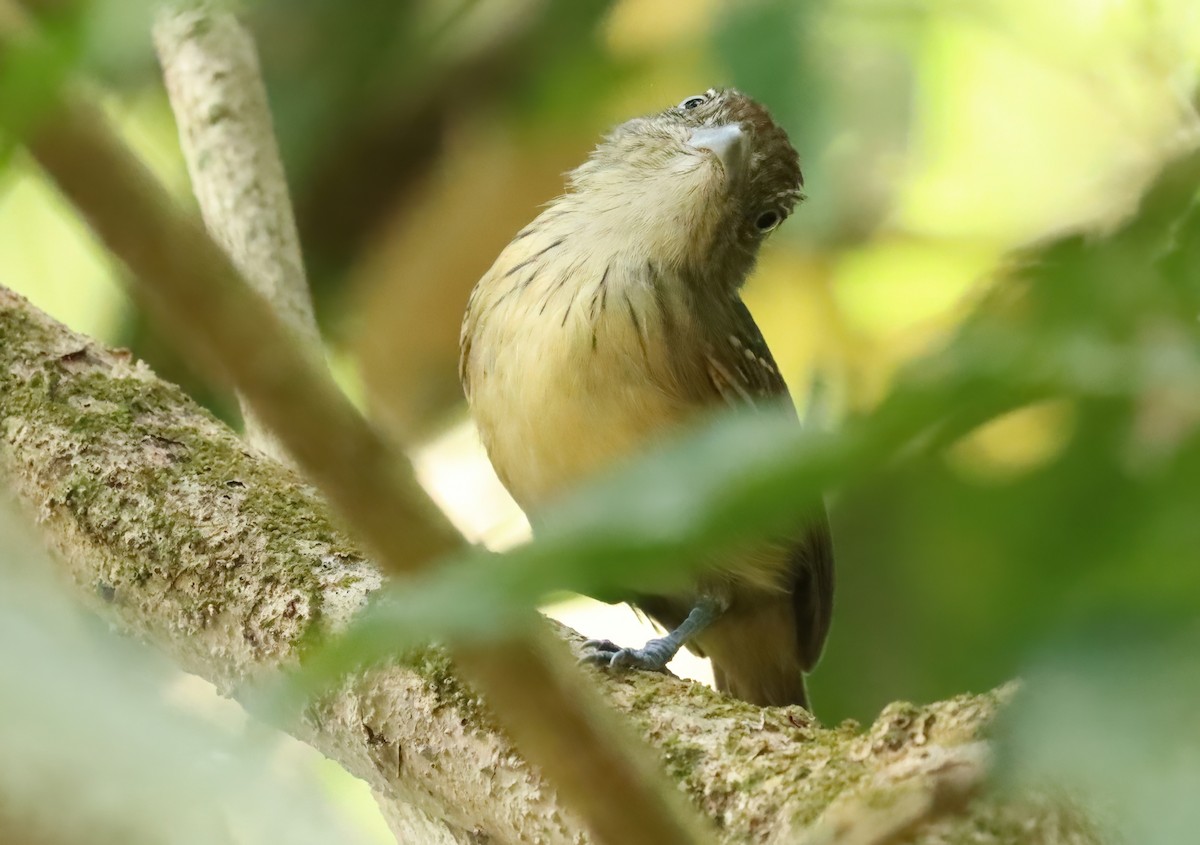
211,71
230,563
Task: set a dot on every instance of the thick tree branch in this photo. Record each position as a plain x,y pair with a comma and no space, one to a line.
231,564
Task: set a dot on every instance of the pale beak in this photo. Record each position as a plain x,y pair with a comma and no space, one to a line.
728,143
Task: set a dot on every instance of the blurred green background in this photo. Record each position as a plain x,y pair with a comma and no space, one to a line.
952,151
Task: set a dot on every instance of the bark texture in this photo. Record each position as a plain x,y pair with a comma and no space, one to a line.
232,565
210,67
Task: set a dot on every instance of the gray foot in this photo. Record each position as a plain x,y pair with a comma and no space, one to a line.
652,657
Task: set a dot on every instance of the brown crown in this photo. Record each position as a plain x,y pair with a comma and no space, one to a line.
775,174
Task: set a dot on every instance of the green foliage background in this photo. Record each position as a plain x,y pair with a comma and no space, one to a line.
997,278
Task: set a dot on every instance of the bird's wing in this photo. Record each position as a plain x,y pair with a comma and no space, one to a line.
740,364
743,372
465,335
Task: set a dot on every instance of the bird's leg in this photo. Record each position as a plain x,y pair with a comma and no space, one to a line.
658,652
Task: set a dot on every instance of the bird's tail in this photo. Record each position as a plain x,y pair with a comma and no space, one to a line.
755,657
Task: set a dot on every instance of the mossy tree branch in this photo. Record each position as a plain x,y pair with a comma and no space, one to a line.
231,564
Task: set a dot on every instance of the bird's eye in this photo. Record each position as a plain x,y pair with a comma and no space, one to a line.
767,221
692,102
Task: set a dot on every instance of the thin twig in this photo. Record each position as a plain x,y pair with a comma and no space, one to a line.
212,76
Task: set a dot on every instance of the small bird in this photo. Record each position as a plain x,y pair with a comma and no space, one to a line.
614,320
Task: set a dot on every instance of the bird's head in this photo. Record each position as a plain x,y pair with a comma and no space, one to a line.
696,187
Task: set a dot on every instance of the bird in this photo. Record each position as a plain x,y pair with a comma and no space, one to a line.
613,322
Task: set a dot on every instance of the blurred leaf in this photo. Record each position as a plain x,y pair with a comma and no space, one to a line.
834,79
117,46
91,751
365,93
643,527
574,71
1110,720
37,60
1103,527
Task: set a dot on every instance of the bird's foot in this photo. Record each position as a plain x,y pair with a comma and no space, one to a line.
652,657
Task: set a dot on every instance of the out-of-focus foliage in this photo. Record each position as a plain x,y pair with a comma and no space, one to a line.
1016,474
1113,715
366,93
92,751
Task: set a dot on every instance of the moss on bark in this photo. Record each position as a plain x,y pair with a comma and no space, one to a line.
231,564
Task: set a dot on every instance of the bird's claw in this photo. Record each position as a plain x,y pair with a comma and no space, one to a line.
652,657
599,652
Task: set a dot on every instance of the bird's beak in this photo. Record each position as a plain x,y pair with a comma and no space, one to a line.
728,143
